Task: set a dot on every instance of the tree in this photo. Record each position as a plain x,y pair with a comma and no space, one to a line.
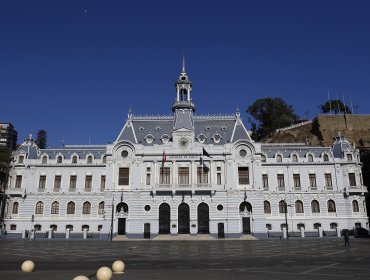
270,114
41,139
335,106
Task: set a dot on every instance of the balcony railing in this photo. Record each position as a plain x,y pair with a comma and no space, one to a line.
196,186
16,192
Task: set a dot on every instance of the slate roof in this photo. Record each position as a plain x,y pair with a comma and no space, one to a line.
209,126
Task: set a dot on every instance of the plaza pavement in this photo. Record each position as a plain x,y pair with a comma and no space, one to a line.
190,259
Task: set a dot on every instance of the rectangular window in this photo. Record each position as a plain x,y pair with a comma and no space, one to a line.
352,179
328,182
42,182
72,183
183,175
312,179
123,176
102,182
148,176
57,182
280,180
20,159
349,157
202,175
219,176
88,183
18,181
265,181
164,175
243,175
297,181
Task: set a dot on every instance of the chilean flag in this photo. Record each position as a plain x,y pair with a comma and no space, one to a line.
164,158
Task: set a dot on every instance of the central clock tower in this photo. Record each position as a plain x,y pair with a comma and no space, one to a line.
183,108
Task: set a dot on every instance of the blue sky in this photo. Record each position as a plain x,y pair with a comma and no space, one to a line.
74,68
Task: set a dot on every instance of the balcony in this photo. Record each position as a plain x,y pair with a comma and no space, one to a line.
355,190
14,192
186,187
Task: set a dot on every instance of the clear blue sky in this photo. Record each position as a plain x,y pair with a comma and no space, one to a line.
74,68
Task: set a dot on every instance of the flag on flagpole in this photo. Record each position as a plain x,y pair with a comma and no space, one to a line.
201,161
205,153
164,158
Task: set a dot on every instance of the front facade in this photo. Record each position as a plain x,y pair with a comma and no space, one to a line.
185,174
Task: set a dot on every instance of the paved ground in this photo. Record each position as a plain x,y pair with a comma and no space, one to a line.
212,259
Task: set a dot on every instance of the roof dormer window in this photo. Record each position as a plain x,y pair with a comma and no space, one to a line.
149,139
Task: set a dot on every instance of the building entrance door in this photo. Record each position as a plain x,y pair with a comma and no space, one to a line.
121,226
184,219
221,231
203,218
246,225
164,218
146,231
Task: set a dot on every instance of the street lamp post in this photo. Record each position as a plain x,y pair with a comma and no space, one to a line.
111,221
286,218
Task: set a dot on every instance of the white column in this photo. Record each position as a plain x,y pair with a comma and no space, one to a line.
23,233
302,232
338,232
320,232
67,233
85,233
285,233
50,233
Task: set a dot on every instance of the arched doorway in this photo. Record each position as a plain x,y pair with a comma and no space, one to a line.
164,218
203,218
245,210
121,213
184,218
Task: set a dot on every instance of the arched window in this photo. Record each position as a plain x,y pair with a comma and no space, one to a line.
310,158
263,158
325,157
355,207
86,208
37,227
59,159
279,158
282,206
331,206
55,207
316,225
85,227
333,225
100,227
104,159
294,158
267,207
71,208
299,226
44,159
39,208
299,207
101,208
15,208
268,226
70,227
54,227
245,207
74,159
89,159
315,206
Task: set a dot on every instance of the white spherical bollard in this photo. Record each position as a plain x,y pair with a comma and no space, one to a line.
81,277
104,273
118,267
28,266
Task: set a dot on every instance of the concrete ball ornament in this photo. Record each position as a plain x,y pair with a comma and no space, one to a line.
28,266
81,277
118,267
104,273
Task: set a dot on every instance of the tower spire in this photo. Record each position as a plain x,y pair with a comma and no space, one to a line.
183,64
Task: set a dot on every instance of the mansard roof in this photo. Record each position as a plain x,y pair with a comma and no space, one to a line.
286,149
227,128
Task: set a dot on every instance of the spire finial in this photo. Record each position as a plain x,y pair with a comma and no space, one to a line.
183,64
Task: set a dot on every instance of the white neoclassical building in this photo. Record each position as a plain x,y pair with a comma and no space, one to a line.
185,174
